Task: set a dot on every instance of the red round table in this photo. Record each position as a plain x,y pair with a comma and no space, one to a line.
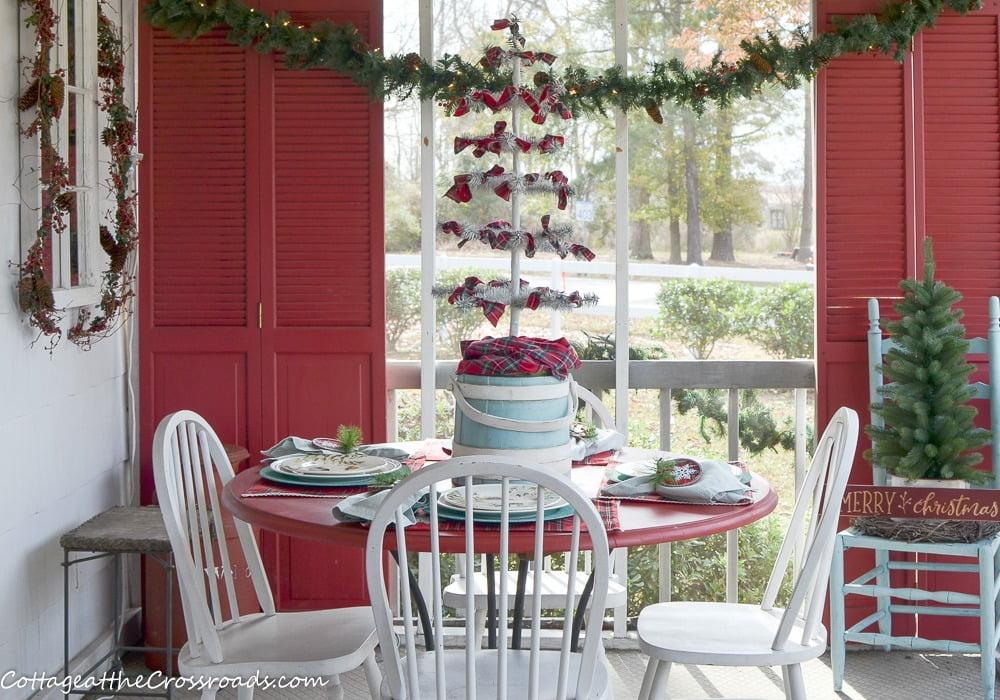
641,522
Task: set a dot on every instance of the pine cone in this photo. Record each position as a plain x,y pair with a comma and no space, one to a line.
653,110
107,136
107,241
542,78
65,200
118,258
413,62
30,97
700,91
761,64
34,292
57,93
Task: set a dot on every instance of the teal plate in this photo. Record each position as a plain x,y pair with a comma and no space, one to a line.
326,482
448,513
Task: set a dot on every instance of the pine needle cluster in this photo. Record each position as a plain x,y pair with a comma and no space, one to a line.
929,430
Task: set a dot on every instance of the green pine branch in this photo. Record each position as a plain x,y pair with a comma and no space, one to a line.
766,59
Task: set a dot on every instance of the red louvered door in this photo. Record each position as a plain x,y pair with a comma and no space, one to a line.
261,301
904,150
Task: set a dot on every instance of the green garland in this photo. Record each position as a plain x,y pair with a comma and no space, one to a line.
765,60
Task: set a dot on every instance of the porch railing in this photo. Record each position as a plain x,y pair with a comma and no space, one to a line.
664,376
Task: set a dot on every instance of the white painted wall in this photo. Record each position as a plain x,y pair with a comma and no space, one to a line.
64,434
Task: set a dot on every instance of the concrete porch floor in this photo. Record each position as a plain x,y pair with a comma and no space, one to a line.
870,675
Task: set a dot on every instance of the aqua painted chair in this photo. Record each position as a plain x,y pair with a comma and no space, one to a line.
919,596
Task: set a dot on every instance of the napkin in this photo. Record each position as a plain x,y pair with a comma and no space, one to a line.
604,441
293,445
361,507
717,485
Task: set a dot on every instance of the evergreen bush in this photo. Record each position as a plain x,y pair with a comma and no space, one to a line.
779,318
699,312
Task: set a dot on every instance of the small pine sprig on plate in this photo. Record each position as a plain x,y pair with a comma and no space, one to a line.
387,480
582,429
350,438
666,471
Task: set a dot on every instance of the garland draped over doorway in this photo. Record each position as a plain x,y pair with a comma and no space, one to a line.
765,60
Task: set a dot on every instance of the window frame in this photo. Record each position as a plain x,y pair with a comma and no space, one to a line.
94,199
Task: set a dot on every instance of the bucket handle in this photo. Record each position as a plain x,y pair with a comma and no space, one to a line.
523,426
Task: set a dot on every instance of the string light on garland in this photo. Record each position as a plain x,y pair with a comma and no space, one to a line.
765,58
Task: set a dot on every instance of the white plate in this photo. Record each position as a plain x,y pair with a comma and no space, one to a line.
327,443
486,498
334,465
643,467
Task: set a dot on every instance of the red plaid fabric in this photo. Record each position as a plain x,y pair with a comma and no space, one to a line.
513,356
263,489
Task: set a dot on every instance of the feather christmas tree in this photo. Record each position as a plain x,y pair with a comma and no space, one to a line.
511,143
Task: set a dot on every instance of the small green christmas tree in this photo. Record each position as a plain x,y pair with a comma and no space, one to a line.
929,431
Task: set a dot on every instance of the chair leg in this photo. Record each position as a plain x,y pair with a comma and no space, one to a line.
987,617
333,690
244,692
884,601
479,618
654,681
795,687
373,676
838,620
209,691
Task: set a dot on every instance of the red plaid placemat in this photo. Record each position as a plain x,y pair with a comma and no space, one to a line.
266,489
598,459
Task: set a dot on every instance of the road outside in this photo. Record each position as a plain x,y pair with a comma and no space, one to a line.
598,278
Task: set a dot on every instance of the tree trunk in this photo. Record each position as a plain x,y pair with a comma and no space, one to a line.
675,241
722,239
640,247
693,194
806,237
673,195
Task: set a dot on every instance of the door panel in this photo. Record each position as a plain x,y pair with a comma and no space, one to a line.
316,395
261,292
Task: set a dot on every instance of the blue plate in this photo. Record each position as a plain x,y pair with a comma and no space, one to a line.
448,513
294,480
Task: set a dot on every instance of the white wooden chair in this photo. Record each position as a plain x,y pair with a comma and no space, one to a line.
553,581
920,594
190,466
503,673
729,634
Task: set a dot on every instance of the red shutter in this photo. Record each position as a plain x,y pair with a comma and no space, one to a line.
961,150
895,163
261,299
862,177
197,298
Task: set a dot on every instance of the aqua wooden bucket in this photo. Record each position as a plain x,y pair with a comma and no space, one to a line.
516,417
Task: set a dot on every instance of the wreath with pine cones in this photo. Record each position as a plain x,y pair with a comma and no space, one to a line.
46,95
